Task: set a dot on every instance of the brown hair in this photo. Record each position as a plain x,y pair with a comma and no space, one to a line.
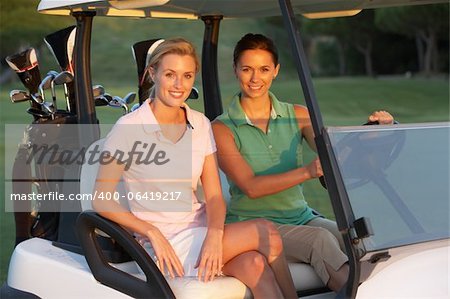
252,41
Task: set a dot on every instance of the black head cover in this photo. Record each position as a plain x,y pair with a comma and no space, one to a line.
141,52
26,65
61,44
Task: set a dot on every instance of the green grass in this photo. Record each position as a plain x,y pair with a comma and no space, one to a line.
343,101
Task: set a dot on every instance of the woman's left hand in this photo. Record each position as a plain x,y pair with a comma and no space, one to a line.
382,117
209,262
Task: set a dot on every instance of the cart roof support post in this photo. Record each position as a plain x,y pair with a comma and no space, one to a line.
86,117
210,78
335,185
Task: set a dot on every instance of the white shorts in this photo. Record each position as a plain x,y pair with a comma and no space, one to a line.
187,246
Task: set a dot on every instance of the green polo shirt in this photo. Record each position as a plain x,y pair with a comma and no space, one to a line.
278,151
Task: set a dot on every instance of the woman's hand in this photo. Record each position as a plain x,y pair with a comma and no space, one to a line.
314,169
382,117
165,255
209,262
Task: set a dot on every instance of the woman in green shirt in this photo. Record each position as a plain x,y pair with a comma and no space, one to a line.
259,141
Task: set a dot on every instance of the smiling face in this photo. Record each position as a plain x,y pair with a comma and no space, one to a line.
174,78
255,70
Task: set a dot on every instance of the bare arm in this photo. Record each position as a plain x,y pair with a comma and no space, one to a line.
108,177
238,170
305,126
215,204
210,260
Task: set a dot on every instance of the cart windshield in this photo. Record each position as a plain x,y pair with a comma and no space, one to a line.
398,177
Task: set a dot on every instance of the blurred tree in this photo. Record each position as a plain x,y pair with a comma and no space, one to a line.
362,34
358,32
426,24
336,28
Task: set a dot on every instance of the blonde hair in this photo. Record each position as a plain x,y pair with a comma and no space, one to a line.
178,46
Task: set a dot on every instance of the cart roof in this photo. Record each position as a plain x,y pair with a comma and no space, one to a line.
227,8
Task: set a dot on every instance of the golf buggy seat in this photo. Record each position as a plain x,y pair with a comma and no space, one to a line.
305,278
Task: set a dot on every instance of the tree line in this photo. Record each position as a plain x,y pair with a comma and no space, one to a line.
408,39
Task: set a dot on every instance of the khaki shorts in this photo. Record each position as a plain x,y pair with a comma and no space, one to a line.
312,245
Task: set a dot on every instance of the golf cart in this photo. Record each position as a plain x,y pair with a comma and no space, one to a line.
376,184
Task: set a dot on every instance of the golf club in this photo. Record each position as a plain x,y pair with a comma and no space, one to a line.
97,91
37,98
50,108
118,102
45,106
101,101
64,78
18,96
47,83
61,44
129,98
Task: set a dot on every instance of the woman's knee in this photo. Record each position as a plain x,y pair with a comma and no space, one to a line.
255,262
247,265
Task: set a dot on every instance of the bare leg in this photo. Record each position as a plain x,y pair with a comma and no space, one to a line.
253,270
262,236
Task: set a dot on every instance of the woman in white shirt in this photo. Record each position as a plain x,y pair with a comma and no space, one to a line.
161,151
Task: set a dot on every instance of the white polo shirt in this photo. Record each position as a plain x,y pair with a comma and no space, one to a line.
160,176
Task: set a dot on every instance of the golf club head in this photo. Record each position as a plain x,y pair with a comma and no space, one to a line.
64,77
26,66
118,102
98,91
141,52
18,96
129,98
115,104
101,101
108,97
61,45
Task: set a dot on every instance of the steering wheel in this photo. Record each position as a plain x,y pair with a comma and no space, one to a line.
374,151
